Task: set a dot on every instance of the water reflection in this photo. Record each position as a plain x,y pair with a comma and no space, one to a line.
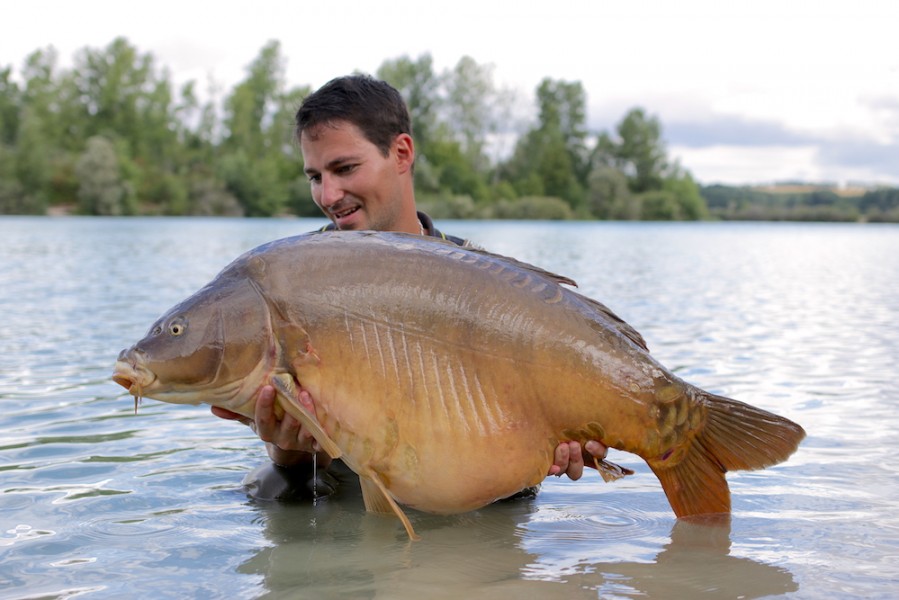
99,502
335,549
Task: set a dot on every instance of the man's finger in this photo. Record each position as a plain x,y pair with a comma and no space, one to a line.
560,464
224,413
596,449
575,461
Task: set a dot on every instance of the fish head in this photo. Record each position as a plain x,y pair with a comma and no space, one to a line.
214,347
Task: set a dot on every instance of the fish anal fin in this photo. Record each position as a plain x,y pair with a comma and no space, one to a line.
733,436
610,471
287,395
378,500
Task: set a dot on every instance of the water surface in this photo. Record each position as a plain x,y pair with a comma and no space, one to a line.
797,319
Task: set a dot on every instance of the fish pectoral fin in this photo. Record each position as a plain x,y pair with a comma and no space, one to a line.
378,500
287,396
610,471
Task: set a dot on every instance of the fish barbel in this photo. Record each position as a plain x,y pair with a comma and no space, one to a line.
424,358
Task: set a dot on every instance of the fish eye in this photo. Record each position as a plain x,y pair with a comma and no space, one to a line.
177,328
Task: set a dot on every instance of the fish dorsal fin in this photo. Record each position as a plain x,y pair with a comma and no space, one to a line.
519,264
612,319
378,500
617,322
287,395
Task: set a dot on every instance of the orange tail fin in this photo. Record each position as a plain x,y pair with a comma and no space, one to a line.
735,436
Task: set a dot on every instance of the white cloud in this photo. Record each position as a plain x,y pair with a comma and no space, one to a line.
740,165
823,72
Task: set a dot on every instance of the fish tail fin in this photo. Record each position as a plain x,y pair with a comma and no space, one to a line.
735,436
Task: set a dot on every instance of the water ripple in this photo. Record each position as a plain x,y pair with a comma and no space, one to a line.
796,319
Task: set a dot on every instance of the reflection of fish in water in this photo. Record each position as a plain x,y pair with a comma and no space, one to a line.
695,564
503,557
444,377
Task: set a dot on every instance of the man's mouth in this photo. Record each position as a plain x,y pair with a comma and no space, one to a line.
344,212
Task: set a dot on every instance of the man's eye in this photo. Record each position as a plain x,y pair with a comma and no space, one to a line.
314,178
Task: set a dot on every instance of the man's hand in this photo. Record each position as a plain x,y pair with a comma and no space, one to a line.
570,460
288,443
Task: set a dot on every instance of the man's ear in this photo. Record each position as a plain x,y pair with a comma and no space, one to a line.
405,152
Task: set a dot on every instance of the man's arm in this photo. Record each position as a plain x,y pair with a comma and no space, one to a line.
287,442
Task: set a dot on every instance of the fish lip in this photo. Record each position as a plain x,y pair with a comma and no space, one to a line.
133,377
123,381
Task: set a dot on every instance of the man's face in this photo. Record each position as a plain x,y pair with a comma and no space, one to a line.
355,185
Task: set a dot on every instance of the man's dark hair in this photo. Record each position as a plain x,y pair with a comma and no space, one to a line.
372,105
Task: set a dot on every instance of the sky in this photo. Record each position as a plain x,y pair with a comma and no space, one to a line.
746,92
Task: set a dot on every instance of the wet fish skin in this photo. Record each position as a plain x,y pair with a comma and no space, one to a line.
446,376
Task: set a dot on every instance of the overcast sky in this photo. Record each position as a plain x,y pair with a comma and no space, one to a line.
747,92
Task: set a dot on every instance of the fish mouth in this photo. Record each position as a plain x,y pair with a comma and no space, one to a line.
133,378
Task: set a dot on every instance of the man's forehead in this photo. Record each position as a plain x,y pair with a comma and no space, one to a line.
315,132
326,146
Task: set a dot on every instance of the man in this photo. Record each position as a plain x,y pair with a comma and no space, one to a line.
355,137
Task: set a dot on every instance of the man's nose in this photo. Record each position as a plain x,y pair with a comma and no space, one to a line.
331,191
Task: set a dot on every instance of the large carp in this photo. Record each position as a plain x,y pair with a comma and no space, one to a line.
424,358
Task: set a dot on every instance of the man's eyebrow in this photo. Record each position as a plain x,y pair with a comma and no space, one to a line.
340,160
333,164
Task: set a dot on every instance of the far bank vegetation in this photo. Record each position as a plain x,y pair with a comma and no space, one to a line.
112,136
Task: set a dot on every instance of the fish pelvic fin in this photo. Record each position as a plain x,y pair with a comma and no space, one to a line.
735,436
378,500
287,398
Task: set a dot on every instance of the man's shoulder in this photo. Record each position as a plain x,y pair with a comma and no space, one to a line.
428,226
429,229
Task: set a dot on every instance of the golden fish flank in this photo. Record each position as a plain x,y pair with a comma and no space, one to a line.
424,358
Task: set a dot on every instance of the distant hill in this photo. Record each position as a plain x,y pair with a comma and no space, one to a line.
798,201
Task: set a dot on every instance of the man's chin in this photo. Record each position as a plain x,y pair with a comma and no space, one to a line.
354,222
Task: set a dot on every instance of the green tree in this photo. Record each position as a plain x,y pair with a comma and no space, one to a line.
609,196
638,151
420,87
549,159
470,102
10,105
533,207
660,189
691,205
259,163
124,97
250,107
33,152
563,108
103,190
52,126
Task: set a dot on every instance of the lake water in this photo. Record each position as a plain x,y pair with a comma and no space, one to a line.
98,502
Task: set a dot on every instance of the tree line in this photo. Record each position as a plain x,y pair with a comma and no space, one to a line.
112,136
